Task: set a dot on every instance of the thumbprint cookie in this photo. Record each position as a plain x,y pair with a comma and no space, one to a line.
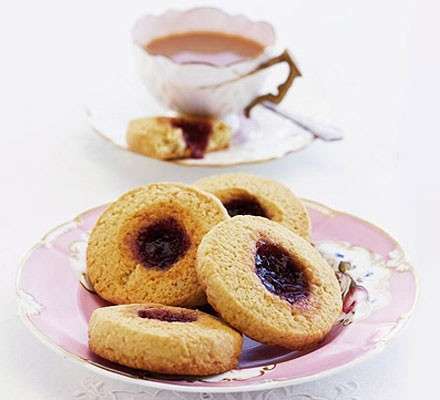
268,283
162,339
243,194
168,138
143,247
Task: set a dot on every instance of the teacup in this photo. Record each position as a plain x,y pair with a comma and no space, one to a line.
202,87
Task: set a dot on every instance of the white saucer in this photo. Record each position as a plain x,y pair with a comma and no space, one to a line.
263,137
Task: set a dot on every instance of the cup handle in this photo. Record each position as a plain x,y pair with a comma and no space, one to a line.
282,88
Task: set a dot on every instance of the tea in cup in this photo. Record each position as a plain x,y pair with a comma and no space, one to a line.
204,61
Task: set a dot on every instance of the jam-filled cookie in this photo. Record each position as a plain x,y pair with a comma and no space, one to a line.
168,138
168,340
143,247
243,194
268,282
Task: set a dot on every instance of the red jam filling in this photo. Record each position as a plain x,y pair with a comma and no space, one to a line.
196,134
279,274
167,315
244,207
161,244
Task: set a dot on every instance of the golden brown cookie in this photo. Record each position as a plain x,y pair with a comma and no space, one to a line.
243,194
168,138
268,282
143,247
168,340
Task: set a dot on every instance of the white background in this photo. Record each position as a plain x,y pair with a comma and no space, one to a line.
370,67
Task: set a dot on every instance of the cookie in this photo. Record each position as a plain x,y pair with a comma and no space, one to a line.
143,247
268,282
169,138
168,340
243,194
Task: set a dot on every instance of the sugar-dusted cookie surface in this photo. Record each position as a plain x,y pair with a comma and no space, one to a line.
163,339
143,247
244,194
268,282
168,138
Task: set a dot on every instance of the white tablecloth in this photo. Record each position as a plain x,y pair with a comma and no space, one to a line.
369,67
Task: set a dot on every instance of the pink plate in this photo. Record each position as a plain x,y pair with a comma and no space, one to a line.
379,286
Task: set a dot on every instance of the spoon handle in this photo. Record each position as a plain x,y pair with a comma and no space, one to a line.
326,133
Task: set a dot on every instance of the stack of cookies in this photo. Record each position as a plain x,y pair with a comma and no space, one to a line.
236,242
